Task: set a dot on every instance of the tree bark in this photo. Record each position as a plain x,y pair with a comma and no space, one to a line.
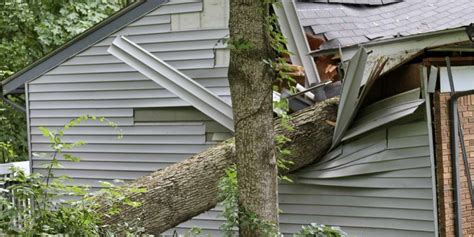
250,80
183,190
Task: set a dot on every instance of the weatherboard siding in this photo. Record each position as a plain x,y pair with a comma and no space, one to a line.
96,83
366,186
388,171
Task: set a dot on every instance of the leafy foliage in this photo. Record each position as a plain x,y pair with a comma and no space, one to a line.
318,230
228,191
237,216
13,142
30,30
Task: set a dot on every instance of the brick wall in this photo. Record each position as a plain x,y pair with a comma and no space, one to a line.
443,163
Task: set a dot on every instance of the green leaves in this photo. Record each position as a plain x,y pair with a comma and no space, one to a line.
240,45
13,141
228,190
48,134
71,158
318,230
7,152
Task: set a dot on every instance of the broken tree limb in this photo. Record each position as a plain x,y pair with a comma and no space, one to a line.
183,190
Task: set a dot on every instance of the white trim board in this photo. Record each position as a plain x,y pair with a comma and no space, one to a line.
463,78
297,43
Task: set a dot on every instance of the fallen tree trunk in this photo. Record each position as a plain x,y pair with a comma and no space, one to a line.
186,189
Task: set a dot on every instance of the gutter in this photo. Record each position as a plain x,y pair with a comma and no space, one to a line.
454,157
457,134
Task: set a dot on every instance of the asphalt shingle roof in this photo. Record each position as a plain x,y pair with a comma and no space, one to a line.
355,21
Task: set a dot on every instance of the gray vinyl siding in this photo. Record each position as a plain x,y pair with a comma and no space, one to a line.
215,132
96,83
375,185
387,172
378,184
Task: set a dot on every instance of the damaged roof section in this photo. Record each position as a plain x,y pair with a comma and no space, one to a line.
345,23
362,2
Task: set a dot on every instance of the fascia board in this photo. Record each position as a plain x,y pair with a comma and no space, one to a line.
297,39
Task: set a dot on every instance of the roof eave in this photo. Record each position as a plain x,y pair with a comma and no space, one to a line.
79,43
331,51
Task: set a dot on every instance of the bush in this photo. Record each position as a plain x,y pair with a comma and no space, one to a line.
318,230
13,138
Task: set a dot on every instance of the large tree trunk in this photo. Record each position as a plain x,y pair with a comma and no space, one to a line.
185,189
250,80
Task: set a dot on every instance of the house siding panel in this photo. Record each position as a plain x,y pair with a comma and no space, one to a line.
366,186
391,202
96,83
172,47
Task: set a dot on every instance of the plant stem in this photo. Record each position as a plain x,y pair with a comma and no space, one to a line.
50,169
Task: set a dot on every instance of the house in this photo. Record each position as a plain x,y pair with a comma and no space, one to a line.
158,69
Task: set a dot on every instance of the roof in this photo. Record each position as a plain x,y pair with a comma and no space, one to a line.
358,2
79,43
353,22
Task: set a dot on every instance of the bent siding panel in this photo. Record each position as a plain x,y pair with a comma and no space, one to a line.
405,167
378,182
369,189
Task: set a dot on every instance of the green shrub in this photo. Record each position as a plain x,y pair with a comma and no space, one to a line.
13,138
318,230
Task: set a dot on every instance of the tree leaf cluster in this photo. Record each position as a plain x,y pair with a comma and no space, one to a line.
31,29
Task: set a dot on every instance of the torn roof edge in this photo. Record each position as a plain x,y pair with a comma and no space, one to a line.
334,50
356,2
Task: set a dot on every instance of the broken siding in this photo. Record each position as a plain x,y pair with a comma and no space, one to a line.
384,183
96,83
173,80
379,183
378,186
215,132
